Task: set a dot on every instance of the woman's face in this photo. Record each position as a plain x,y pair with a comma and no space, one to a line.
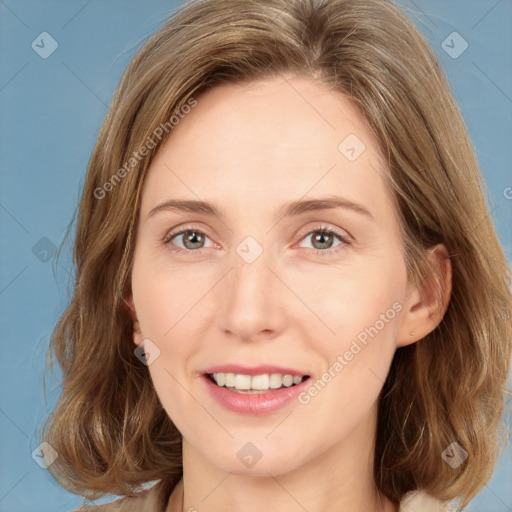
252,286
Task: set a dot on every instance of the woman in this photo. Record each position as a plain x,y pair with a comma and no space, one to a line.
289,291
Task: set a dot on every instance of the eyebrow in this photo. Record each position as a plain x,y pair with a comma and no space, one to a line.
288,210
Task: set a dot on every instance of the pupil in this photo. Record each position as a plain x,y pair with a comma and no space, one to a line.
190,239
321,235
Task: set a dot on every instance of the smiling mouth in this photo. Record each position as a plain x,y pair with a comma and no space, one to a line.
255,384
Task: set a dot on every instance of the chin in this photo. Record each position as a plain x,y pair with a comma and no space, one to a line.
256,458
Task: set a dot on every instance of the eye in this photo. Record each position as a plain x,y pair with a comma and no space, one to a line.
192,240
323,238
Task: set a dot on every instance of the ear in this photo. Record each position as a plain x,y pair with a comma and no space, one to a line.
137,333
426,304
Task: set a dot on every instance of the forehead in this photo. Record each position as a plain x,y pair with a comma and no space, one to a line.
293,112
266,138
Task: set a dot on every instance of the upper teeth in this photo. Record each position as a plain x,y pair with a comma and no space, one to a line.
257,382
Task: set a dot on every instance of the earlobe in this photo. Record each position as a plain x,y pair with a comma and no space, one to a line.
426,304
137,333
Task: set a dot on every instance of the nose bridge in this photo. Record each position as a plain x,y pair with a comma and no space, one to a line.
250,302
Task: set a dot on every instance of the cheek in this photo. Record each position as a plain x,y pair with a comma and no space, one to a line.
172,390
346,301
166,316
362,309
169,309
356,362
165,296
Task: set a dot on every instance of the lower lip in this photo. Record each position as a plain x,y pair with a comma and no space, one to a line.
254,403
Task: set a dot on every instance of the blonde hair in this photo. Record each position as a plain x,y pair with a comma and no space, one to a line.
109,428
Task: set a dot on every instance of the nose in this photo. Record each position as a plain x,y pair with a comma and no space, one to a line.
252,304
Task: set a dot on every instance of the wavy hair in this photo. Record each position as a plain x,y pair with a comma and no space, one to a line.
109,428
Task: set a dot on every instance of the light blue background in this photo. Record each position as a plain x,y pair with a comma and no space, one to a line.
51,111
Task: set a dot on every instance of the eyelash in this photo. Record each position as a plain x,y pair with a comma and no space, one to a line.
321,229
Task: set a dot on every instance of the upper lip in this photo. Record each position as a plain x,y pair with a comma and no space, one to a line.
255,370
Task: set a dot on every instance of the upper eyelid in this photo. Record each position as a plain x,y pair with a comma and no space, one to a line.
337,231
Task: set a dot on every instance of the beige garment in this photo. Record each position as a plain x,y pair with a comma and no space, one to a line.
152,500
418,501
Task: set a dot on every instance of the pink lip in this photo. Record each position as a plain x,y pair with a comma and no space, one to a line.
255,404
255,370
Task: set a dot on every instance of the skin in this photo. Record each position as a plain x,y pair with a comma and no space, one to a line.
249,149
